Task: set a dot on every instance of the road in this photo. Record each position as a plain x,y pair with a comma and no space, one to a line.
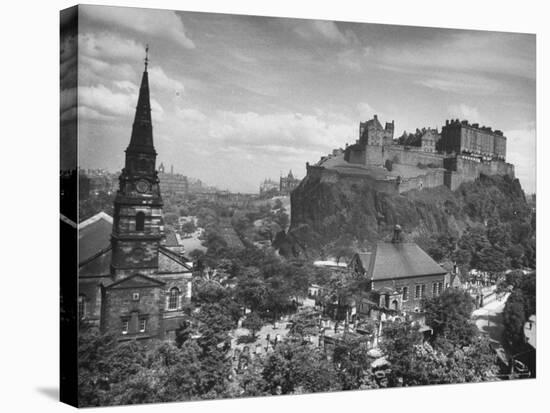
488,319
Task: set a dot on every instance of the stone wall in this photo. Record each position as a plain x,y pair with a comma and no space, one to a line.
409,156
120,305
431,179
412,303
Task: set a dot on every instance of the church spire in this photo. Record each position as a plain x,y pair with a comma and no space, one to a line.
142,129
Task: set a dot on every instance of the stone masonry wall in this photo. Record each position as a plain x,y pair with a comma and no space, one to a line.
412,303
119,305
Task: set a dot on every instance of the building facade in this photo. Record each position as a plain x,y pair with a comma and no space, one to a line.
461,137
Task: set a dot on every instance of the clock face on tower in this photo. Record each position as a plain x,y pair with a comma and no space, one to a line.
142,186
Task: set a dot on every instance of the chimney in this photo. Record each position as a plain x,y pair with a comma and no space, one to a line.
396,234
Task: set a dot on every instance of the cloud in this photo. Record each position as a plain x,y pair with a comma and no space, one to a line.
164,24
159,79
521,151
100,100
464,112
108,45
278,134
462,84
190,114
324,30
482,52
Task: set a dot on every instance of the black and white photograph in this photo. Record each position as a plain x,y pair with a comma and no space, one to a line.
259,206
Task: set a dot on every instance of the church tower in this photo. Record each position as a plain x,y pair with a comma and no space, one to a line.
138,225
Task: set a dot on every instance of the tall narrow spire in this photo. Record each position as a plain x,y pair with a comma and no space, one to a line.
142,129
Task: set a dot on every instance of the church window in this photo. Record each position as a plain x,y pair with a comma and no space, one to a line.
173,299
405,293
125,325
142,325
417,292
140,221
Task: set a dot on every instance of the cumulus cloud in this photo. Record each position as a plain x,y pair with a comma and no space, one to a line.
100,100
282,133
158,78
108,45
464,112
164,24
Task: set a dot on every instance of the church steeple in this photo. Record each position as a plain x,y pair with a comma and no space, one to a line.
138,225
142,129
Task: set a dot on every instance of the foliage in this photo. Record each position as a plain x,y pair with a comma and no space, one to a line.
254,323
520,305
298,367
448,314
351,361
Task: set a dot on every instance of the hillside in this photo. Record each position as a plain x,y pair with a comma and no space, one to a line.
327,214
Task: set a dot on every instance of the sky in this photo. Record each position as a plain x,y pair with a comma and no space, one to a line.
237,99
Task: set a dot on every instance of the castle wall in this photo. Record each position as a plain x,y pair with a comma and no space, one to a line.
432,179
412,156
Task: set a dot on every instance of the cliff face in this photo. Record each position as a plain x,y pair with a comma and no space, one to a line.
347,210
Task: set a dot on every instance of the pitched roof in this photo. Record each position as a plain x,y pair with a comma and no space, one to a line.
94,235
136,281
401,260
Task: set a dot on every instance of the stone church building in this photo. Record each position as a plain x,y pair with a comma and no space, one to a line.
130,283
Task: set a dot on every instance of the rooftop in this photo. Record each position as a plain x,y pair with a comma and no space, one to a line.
401,260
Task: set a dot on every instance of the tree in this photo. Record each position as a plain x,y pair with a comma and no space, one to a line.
448,314
298,367
351,361
254,323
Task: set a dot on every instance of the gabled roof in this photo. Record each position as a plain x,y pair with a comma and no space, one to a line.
94,236
172,262
136,281
401,260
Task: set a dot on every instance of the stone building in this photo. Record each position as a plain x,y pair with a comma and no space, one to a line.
371,132
288,183
269,188
130,284
461,137
400,274
429,139
172,183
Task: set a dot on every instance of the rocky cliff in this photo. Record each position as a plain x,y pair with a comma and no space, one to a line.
348,211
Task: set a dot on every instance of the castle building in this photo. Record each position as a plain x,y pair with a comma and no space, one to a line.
371,132
133,286
288,183
461,137
429,139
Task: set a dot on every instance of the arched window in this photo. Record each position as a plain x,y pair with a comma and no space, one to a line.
81,306
140,221
173,299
